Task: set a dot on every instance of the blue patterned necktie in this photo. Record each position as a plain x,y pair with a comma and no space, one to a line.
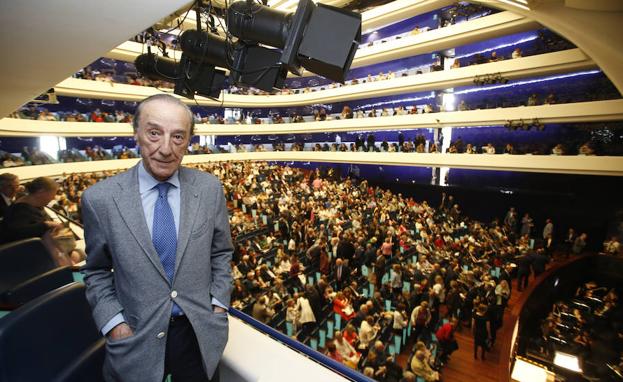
164,235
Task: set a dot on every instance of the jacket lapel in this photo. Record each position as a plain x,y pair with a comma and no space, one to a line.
128,201
190,199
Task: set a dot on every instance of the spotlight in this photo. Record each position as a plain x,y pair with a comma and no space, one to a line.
190,77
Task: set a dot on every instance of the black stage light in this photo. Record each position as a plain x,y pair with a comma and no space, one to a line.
190,78
204,47
320,38
258,67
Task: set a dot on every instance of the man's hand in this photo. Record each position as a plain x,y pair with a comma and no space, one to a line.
120,331
218,309
54,226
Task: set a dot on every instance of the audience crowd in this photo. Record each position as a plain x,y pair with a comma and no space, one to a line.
362,273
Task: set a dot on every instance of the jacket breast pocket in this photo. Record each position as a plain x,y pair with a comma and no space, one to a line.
201,229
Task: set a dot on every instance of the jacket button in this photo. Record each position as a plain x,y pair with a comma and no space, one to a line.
174,294
160,335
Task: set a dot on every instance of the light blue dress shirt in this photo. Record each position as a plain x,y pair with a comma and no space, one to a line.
149,195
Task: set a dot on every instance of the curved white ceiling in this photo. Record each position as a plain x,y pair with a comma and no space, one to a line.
44,42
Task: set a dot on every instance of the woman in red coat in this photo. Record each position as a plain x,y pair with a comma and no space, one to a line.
342,306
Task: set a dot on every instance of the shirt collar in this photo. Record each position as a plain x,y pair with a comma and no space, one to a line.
147,182
7,200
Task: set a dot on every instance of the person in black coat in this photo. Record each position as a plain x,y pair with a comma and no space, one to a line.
9,185
481,330
315,301
539,262
341,272
345,249
524,263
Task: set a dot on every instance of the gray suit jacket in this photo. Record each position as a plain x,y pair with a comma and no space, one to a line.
117,238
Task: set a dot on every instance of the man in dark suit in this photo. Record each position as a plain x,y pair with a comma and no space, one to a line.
165,231
9,184
341,272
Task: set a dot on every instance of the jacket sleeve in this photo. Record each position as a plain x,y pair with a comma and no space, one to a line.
222,250
97,271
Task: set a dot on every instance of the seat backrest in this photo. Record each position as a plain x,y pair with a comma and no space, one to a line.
36,286
23,260
39,340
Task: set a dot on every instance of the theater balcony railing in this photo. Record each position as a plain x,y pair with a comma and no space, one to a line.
594,111
581,165
539,65
480,29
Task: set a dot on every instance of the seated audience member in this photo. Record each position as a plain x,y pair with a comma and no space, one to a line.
262,311
349,355
612,246
586,149
558,149
367,332
27,218
9,185
422,369
350,334
333,353
343,307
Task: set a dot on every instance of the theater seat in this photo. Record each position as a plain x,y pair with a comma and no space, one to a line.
35,287
27,271
52,338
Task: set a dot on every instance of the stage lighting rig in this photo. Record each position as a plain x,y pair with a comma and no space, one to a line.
260,47
320,38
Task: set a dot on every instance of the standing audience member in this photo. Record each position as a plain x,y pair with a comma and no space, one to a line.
420,318
481,330
447,342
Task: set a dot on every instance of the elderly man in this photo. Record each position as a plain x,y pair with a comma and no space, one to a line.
422,369
164,229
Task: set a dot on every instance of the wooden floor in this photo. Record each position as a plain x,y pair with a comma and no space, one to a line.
462,367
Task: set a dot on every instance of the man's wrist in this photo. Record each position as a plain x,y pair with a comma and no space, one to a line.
218,309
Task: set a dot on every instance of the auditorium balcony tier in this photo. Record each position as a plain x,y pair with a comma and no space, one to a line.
610,110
